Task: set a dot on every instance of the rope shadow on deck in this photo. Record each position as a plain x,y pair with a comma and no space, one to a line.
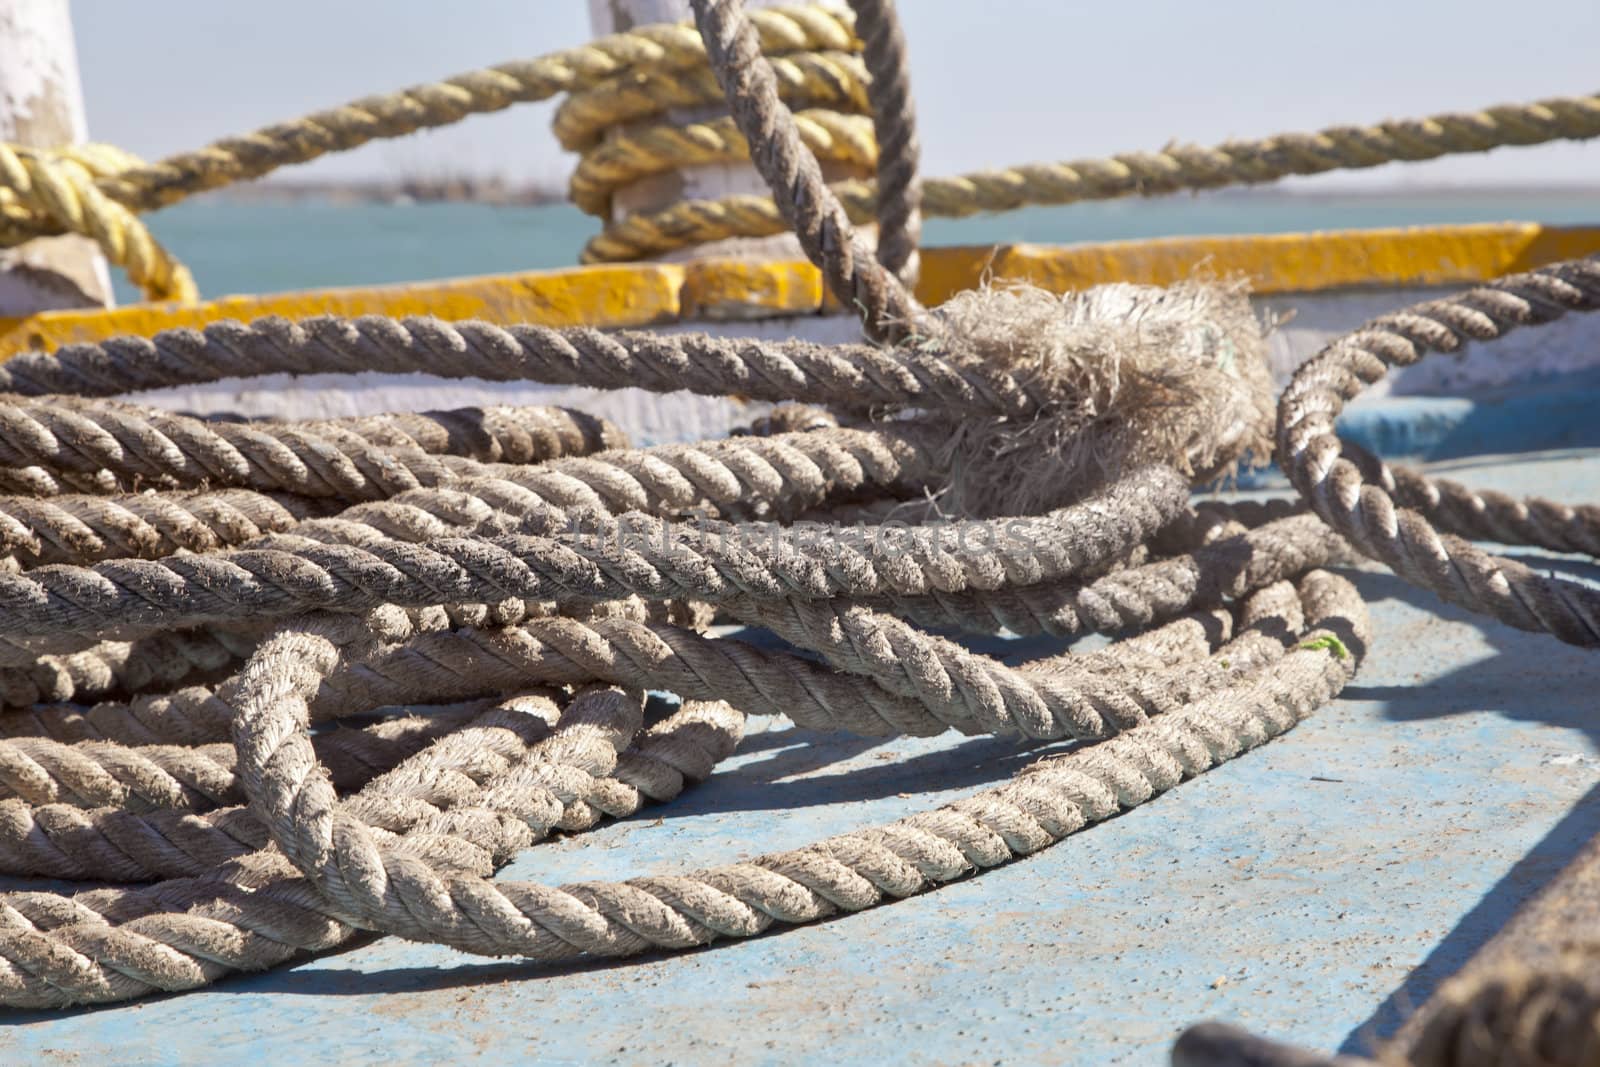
1490,685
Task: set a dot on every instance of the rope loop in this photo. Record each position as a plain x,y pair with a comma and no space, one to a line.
1417,525
57,191
306,678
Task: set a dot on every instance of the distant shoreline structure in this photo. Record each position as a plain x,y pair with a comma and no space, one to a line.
496,190
407,189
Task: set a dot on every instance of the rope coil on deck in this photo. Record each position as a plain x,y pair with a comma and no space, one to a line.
509,586
1364,511
1529,995
428,637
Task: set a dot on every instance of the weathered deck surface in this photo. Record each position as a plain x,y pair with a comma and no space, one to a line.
1313,889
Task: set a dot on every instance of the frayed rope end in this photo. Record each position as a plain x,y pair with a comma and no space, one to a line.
1135,375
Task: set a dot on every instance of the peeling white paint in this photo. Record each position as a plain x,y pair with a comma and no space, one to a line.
1315,319
1571,759
41,104
38,64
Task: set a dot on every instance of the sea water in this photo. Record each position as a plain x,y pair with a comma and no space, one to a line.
236,246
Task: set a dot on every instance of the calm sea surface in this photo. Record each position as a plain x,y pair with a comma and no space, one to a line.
235,247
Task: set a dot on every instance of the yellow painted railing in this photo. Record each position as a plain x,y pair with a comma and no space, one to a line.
644,294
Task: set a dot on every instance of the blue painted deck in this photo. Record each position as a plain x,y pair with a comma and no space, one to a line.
1314,890
1557,412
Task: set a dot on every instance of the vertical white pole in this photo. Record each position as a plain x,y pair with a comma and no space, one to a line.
41,106
707,182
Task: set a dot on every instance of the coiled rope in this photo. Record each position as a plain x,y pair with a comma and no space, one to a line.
1364,511
350,602
622,86
1532,994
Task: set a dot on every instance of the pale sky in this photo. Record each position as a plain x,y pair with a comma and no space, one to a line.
1007,81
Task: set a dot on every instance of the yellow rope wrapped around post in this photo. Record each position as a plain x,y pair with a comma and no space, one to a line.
635,154
828,79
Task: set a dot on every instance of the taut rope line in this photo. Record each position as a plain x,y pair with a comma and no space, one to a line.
633,77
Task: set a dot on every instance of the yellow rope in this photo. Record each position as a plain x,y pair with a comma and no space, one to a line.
626,78
632,155
60,185
833,80
66,191
1139,173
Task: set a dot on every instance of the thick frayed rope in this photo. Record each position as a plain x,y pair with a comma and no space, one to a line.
428,637
1387,516
532,560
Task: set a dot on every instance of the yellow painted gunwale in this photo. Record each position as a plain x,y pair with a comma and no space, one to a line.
646,294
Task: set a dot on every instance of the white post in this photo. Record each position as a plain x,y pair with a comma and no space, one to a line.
708,182
41,106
